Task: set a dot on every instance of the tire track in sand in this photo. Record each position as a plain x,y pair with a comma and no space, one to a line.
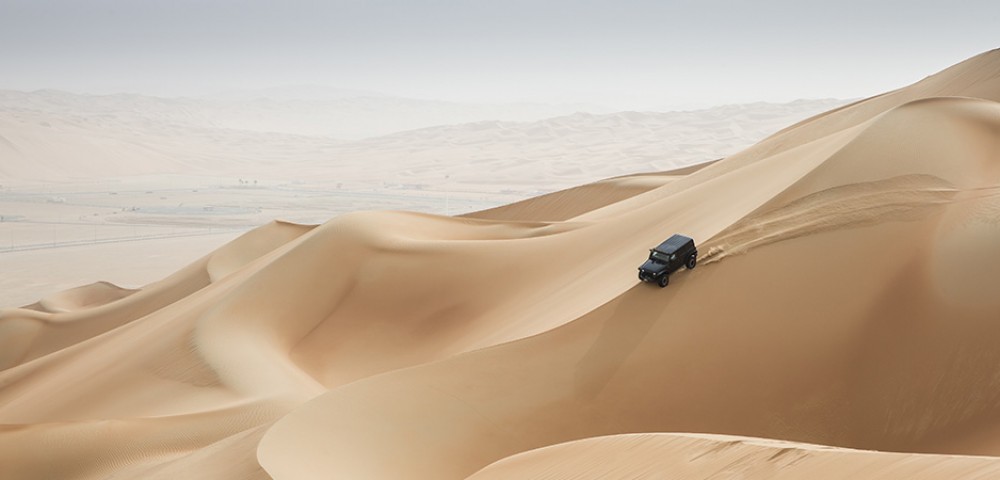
901,198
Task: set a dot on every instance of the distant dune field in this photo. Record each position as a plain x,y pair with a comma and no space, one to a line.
110,179
841,323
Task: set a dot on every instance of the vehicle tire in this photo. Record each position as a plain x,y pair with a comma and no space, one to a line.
692,261
663,281
640,277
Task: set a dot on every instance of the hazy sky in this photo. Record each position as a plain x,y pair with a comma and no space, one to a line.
623,53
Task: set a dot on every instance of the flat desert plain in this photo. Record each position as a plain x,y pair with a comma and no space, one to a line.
841,322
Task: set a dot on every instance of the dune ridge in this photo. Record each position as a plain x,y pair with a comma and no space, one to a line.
700,456
844,297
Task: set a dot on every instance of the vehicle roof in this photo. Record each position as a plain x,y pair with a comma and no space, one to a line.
674,243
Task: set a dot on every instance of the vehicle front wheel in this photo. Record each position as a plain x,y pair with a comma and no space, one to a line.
692,261
664,280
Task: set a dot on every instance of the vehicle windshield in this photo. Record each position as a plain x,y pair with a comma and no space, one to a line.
659,256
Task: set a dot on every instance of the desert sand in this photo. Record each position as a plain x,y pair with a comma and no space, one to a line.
841,323
95,188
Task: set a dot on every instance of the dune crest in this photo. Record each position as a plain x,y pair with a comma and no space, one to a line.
693,456
79,298
843,298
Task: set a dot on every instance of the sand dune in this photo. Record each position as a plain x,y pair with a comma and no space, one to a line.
845,297
568,150
42,146
700,456
343,114
56,136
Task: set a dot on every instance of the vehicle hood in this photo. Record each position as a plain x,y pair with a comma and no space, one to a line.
653,267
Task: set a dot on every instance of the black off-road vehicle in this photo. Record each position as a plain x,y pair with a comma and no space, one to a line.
668,257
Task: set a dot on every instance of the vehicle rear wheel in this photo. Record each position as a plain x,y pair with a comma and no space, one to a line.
664,280
692,261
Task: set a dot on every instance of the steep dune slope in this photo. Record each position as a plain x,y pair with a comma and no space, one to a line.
127,382
836,330
845,296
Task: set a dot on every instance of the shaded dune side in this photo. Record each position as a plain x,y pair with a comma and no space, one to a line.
27,334
104,448
73,316
359,296
640,361
704,457
755,345
162,347
232,457
143,393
